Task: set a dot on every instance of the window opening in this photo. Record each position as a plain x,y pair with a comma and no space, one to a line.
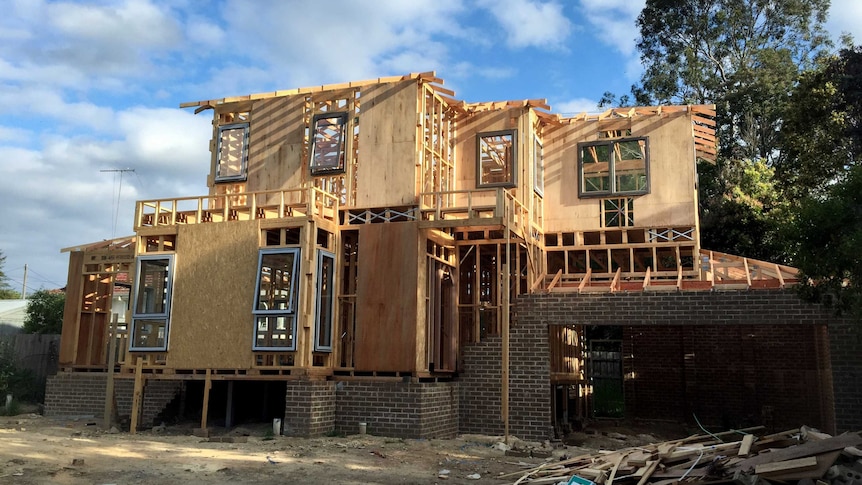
274,308
151,313
614,167
325,301
327,143
495,159
538,167
232,162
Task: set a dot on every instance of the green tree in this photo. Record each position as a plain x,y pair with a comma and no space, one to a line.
822,126
820,164
744,56
828,233
6,291
45,312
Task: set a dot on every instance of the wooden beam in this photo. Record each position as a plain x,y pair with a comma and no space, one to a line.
109,387
208,384
137,395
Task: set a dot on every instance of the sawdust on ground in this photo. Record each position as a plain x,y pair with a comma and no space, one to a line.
39,450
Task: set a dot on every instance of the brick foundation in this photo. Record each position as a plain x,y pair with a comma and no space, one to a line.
309,408
398,409
83,394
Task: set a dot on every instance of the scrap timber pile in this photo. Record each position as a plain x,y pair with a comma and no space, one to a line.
739,457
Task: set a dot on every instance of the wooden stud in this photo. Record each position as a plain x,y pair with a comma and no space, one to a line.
137,396
208,384
109,386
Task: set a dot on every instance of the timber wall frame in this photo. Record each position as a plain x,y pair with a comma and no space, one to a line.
386,177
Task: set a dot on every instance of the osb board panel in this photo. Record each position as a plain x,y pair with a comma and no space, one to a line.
72,308
671,201
214,278
276,139
465,142
386,297
387,146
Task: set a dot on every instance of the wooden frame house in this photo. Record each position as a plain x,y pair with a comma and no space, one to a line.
368,231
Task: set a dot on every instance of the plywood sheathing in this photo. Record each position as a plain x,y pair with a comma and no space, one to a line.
218,266
386,300
388,141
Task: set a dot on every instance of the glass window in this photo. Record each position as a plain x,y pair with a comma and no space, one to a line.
325,301
232,153
614,167
151,311
275,302
495,159
327,143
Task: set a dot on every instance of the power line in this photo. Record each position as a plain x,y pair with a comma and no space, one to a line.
116,208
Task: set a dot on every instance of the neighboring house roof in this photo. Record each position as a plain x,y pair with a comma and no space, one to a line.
13,312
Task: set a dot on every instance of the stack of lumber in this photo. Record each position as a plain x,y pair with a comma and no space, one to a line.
741,457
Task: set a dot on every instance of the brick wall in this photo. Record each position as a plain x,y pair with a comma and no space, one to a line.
845,339
83,394
398,409
529,379
729,376
309,408
727,356
730,358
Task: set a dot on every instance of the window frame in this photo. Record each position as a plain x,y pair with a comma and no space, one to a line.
513,167
321,255
342,145
289,312
243,175
139,317
612,192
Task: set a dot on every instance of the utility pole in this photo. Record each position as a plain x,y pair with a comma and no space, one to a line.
24,285
116,213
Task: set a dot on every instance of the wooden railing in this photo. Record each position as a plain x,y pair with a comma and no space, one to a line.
270,204
476,204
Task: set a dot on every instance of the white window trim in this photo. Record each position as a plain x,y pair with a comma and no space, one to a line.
538,167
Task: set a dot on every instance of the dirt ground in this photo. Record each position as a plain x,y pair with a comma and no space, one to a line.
37,450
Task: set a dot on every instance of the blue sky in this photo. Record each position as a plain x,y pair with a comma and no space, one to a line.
95,85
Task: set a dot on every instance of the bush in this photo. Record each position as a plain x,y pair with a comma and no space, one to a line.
21,383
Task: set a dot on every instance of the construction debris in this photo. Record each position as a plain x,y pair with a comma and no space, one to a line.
740,456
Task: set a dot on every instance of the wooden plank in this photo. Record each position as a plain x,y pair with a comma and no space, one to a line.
650,468
787,465
72,309
208,384
109,387
806,449
745,447
137,396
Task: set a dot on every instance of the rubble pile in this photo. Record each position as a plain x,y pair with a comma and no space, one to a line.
740,457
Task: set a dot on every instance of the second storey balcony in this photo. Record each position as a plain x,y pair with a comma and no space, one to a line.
271,204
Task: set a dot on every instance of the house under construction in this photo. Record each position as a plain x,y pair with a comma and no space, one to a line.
368,251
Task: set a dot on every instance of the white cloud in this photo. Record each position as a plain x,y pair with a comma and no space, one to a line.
845,16
303,43
530,23
614,22
575,106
